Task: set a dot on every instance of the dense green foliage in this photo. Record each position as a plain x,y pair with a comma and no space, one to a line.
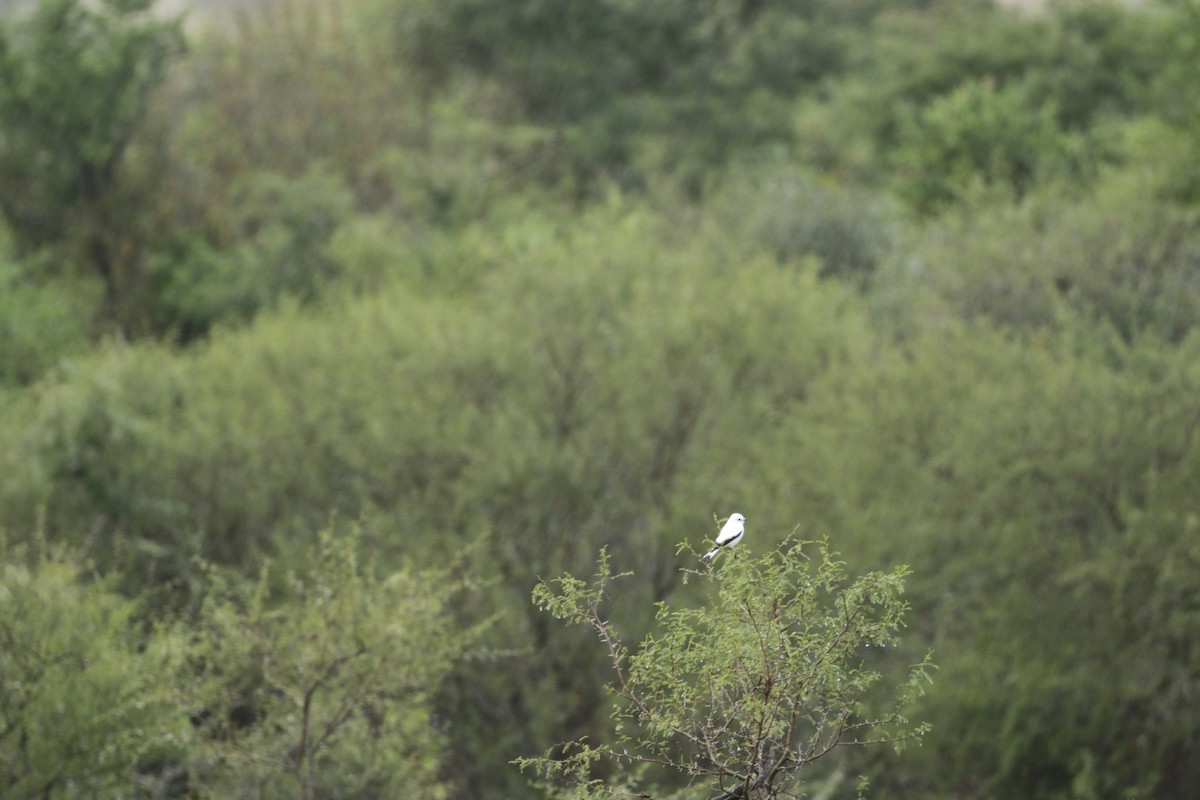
507,284
75,83
85,707
322,686
255,694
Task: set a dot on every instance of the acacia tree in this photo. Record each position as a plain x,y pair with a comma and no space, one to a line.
323,686
739,695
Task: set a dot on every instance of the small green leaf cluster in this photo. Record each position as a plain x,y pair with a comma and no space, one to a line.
981,137
39,324
742,692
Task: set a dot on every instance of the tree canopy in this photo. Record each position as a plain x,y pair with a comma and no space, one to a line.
329,331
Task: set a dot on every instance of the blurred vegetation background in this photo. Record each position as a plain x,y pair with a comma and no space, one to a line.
327,328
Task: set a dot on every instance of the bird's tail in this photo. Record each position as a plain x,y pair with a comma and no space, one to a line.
710,554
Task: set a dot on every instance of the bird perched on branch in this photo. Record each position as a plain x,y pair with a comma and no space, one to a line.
731,534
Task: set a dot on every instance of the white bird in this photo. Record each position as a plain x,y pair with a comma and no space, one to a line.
731,534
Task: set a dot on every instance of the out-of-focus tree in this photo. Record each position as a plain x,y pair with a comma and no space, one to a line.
980,137
75,78
627,85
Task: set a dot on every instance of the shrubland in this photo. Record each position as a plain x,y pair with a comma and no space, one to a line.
345,325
